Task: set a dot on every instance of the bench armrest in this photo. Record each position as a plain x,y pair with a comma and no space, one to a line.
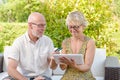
1,62
112,68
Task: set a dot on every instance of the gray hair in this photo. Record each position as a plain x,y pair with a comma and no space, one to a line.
77,18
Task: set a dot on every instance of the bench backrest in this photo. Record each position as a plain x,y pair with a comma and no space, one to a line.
98,65
1,62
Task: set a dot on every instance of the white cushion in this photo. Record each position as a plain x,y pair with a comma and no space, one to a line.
99,78
58,71
56,77
97,68
3,75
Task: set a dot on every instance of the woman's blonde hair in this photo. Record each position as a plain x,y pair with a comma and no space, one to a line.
77,18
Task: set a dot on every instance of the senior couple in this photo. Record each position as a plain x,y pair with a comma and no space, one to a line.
31,54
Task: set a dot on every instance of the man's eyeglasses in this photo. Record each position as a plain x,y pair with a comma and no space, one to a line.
39,25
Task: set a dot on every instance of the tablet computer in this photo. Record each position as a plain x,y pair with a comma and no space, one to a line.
77,57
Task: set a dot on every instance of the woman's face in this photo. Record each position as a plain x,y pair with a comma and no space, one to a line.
75,29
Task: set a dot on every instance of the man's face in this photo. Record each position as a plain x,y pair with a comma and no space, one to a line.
38,27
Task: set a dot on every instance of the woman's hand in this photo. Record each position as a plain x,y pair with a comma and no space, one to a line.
69,62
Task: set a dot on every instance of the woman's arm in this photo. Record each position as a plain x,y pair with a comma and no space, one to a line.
89,57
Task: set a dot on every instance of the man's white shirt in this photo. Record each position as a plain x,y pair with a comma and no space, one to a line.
32,57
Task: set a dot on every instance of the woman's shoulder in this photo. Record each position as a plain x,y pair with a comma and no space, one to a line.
66,40
89,40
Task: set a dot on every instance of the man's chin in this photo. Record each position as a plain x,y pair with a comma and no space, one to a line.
39,36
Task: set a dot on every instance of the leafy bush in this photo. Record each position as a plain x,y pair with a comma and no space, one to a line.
101,26
9,31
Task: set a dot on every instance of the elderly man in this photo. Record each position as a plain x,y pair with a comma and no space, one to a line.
31,53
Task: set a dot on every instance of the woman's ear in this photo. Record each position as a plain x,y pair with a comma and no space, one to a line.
83,28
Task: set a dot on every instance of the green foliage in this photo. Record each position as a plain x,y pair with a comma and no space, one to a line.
116,11
9,31
14,11
101,28
117,8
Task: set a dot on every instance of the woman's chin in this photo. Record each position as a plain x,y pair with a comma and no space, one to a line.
74,34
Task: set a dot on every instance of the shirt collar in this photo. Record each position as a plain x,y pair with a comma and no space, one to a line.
28,38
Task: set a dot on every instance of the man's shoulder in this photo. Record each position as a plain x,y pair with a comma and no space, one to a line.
20,38
46,37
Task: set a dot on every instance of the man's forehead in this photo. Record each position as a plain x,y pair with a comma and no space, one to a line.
36,17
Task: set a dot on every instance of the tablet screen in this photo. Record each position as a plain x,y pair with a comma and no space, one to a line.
77,57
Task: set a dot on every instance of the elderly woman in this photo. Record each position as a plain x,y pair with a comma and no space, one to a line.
78,43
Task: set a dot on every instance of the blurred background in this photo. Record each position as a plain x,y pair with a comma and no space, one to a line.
102,15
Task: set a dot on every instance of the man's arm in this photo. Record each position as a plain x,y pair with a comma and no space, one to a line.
12,70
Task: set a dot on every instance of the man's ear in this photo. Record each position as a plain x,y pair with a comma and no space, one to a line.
30,25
